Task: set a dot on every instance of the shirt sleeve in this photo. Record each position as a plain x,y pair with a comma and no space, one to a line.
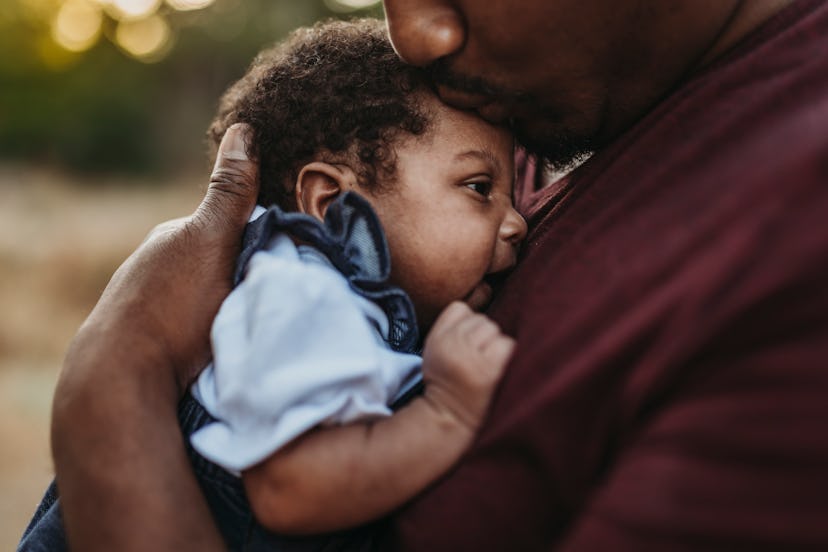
292,349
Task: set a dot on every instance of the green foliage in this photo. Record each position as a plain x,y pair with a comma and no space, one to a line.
102,111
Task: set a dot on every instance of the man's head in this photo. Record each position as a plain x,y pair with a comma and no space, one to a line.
569,74
335,92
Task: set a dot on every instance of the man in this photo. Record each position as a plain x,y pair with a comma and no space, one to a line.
669,389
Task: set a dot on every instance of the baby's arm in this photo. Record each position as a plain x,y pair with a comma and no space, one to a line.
338,477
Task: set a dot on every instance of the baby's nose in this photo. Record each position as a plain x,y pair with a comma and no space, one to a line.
512,233
514,228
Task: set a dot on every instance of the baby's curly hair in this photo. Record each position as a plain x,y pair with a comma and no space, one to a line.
336,92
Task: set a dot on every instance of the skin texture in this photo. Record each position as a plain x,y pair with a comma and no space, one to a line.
135,349
381,465
448,217
611,62
142,346
449,221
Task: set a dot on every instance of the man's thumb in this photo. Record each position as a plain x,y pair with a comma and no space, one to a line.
234,183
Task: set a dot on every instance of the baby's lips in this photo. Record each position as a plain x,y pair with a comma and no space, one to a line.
480,297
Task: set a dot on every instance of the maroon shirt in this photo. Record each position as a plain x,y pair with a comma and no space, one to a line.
670,385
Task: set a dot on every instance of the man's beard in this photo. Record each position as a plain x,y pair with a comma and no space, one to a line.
549,140
558,148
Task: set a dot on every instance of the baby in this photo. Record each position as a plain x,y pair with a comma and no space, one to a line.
317,340
387,214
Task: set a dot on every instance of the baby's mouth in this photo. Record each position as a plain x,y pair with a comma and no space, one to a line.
483,293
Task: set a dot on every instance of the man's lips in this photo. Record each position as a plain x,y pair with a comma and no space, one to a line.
479,297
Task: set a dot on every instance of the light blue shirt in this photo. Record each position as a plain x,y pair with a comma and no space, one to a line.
294,347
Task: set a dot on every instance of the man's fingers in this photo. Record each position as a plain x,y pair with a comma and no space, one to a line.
234,183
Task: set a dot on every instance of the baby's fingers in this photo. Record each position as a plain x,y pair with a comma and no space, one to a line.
499,349
477,331
452,315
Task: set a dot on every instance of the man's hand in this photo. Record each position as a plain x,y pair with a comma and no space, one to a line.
122,471
166,294
464,358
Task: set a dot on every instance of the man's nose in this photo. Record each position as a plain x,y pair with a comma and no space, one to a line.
423,31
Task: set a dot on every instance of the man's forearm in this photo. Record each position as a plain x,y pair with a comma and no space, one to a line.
122,470
123,474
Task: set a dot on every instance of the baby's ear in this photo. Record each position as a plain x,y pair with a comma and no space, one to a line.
318,184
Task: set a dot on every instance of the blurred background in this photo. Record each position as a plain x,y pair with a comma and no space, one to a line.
103,109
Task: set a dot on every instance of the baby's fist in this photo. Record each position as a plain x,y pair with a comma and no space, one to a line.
464,358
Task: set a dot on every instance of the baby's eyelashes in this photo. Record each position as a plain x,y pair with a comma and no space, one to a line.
482,187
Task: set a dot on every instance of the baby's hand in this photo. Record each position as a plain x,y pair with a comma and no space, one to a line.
464,357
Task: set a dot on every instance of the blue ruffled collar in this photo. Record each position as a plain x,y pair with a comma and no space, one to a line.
352,239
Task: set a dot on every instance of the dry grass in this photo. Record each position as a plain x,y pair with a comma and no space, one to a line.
59,243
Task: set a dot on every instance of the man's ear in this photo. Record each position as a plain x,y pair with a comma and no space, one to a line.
318,184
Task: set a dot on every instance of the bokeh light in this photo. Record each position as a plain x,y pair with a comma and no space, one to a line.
189,5
350,5
77,25
144,29
131,9
146,39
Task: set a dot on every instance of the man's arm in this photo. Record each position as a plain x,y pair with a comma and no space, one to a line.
122,470
340,477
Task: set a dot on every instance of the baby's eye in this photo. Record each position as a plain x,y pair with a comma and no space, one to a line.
482,187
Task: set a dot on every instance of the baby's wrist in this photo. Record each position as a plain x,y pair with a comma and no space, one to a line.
451,411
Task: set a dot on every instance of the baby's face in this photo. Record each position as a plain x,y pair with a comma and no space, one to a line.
449,217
